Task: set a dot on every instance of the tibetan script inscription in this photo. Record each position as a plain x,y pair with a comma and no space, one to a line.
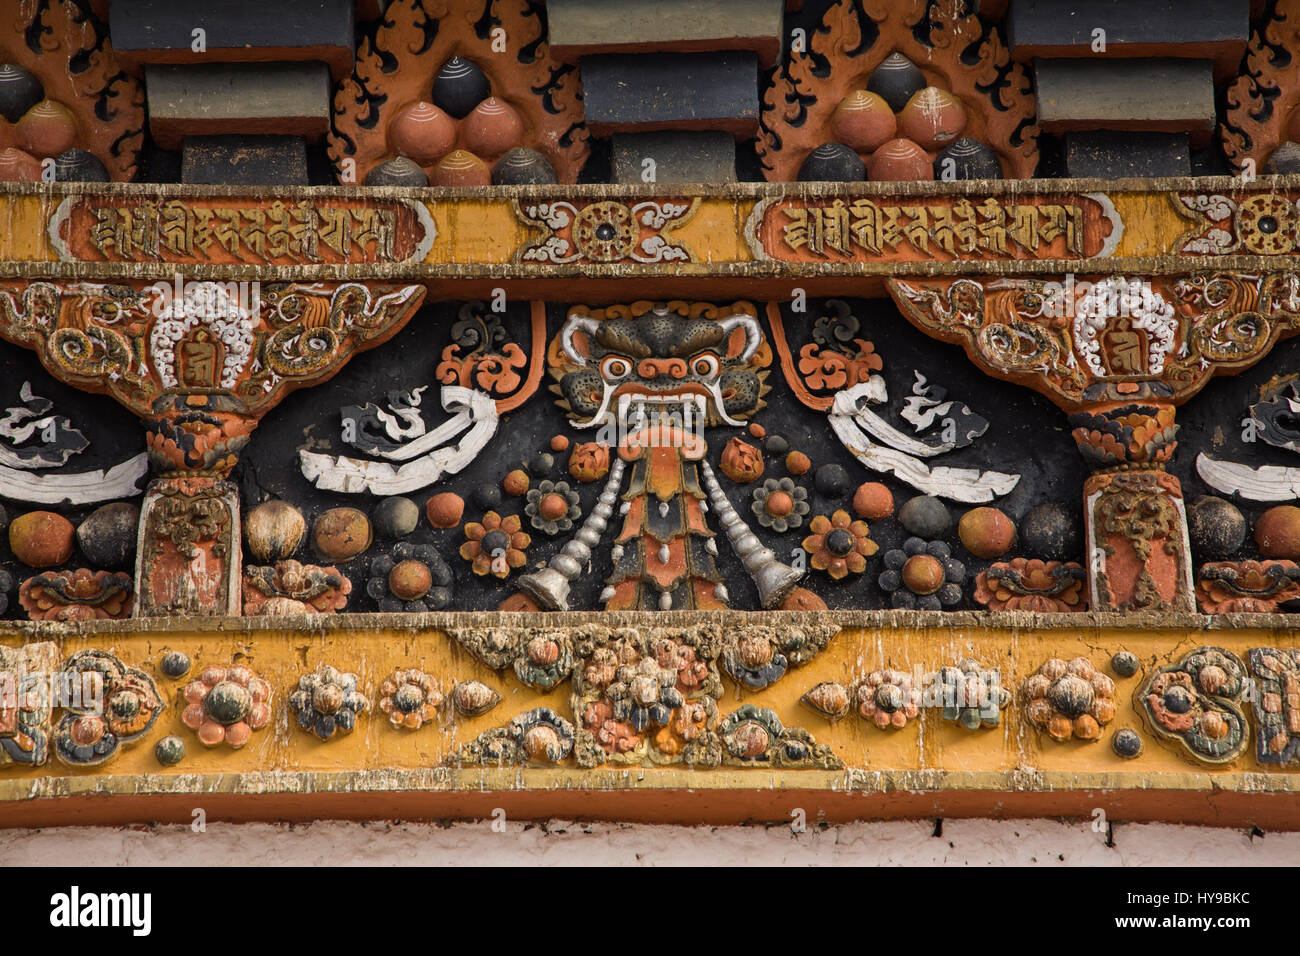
938,228
236,231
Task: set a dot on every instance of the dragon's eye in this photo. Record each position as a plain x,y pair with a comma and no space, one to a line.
705,365
613,366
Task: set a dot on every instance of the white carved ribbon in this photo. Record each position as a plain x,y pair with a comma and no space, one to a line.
968,485
1265,483
81,488
426,462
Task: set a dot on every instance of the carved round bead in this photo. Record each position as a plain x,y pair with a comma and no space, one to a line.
1124,663
47,129
523,167
986,532
79,166
461,168
1126,743
175,664
923,574
395,517
896,80
967,159
41,539
341,534
20,90
398,171
925,516
1216,526
460,86
17,166
873,501
863,121
899,160
492,128
1050,531
422,132
410,580
932,118
834,163
1277,532
107,537
445,509
273,530
516,483
170,751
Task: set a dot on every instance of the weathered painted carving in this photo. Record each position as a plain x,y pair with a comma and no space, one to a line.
1196,704
429,86
540,736
110,705
900,53
226,704
72,105
80,595
755,736
27,676
605,231
326,702
1276,704
1069,699
1262,103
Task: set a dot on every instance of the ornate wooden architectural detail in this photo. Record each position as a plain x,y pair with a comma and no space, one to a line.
1262,104
383,110
80,98
855,38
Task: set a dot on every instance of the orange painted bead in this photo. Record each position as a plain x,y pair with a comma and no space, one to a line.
410,580
47,129
19,167
1277,532
461,168
492,128
986,532
932,118
515,483
445,510
923,574
41,539
423,132
873,501
797,463
560,443
899,160
863,121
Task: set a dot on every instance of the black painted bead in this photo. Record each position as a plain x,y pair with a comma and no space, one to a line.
170,751
832,163
832,481
925,516
20,90
1051,532
399,171
459,87
523,167
395,517
488,496
1124,663
175,664
1126,743
1216,526
896,81
79,166
776,445
967,158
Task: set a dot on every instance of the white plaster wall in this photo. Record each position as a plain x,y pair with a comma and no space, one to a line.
963,842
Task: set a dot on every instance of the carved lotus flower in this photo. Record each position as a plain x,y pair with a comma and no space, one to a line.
741,462
589,461
839,545
410,698
226,704
888,698
1028,584
1069,699
326,702
496,545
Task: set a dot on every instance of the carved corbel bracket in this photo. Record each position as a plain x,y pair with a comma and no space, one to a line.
1118,353
200,365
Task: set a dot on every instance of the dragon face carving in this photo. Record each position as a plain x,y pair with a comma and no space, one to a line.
627,364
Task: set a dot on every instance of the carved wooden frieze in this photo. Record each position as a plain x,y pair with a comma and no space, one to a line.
453,99
233,230
811,99
71,112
